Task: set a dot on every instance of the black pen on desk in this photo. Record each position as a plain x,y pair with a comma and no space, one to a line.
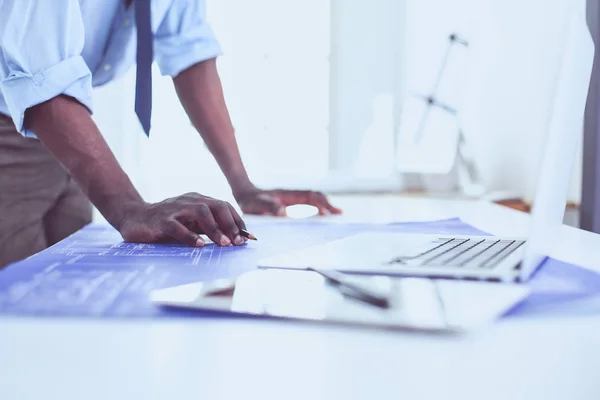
354,291
247,234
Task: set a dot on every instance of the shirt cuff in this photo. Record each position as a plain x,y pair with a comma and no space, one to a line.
171,62
22,90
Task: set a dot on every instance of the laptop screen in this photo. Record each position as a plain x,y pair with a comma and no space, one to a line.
564,132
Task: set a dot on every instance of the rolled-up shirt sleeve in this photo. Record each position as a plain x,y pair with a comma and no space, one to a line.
40,54
184,38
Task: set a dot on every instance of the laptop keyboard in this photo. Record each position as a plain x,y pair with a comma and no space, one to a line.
466,253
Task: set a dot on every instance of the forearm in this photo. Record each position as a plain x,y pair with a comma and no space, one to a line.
200,91
68,132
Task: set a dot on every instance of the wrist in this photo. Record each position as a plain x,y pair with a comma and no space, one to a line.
116,209
241,186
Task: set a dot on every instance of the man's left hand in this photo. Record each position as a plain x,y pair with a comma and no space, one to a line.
274,202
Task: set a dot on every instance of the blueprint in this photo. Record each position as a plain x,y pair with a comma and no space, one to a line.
95,274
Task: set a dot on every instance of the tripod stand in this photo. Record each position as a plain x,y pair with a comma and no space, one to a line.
468,176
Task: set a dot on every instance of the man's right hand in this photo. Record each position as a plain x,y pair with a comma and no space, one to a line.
64,126
183,219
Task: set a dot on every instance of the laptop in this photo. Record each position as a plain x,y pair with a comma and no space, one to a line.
488,258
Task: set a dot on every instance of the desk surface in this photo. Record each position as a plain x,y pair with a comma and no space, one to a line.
549,356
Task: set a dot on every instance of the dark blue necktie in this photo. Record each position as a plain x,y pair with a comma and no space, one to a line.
143,82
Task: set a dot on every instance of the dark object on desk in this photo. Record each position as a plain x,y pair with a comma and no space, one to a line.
247,234
589,218
352,290
572,210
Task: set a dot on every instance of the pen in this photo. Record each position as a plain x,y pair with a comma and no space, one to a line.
352,290
247,234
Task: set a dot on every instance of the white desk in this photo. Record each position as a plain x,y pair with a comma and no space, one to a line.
550,356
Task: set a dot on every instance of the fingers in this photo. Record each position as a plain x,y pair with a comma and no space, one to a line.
220,222
185,217
265,206
319,201
206,221
222,212
316,199
276,208
328,206
238,220
179,232
236,217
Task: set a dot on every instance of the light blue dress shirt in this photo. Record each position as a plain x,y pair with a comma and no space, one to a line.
53,47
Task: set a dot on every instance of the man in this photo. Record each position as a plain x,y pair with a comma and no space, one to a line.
51,55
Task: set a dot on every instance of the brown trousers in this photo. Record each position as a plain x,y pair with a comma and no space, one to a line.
40,204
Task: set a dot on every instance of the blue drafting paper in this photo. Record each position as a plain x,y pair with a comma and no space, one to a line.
93,273
557,283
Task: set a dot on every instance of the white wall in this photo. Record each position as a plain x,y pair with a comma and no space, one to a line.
113,113
367,84
294,74
514,53
521,84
